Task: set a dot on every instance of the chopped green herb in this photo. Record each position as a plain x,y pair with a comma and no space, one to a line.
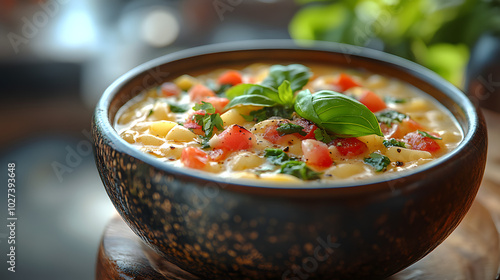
300,170
150,113
289,128
394,143
204,106
276,156
209,121
378,161
178,108
390,116
426,134
390,99
322,135
204,142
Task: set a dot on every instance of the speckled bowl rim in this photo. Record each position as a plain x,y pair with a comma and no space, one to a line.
352,187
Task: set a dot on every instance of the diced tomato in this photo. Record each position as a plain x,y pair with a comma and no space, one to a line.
199,92
309,128
218,102
190,122
194,158
422,143
350,147
230,77
372,101
271,134
170,89
345,82
316,153
399,130
235,138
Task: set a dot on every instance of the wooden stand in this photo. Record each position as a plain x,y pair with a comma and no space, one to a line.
470,253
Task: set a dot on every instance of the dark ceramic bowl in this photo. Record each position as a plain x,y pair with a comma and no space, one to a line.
233,229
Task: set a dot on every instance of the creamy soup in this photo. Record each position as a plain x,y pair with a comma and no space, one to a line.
289,123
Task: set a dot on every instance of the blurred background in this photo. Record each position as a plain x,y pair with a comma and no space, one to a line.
58,56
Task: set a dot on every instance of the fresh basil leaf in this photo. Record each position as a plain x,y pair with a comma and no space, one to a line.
285,94
337,113
254,100
300,170
178,108
204,106
426,134
276,156
238,90
304,106
378,161
289,128
394,143
322,135
298,75
390,116
253,89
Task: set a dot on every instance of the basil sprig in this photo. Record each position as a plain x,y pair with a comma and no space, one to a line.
259,95
334,112
337,113
278,88
298,75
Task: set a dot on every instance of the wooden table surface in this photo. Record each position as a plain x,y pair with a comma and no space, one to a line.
472,252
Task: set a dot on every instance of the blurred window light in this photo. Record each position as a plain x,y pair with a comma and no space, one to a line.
159,28
76,30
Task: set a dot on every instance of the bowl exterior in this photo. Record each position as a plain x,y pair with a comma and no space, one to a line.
227,230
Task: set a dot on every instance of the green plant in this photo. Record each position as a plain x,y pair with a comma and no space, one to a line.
436,34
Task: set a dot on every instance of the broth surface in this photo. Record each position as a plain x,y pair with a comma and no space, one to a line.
162,122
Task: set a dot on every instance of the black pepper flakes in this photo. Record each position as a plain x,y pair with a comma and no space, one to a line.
399,150
399,163
286,149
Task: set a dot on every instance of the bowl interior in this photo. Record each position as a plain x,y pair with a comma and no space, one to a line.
204,59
